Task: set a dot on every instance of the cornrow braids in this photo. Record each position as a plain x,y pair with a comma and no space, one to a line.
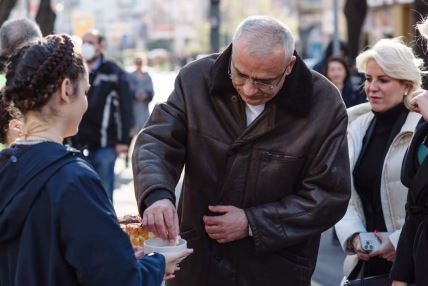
36,71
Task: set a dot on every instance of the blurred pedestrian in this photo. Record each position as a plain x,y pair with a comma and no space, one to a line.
58,226
142,87
337,71
412,253
106,127
328,53
266,167
14,33
379,133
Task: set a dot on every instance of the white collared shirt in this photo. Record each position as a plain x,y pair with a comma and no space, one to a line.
252,111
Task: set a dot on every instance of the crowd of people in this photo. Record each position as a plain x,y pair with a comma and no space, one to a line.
267,168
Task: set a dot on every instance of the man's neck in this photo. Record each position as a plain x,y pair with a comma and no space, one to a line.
92,64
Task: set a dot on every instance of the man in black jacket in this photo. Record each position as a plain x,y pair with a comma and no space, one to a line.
105,127
263,141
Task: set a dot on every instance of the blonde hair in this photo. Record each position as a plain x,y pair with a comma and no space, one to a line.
423,28
397,61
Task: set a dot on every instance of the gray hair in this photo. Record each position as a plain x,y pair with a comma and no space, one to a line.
397,61
262,34
14,33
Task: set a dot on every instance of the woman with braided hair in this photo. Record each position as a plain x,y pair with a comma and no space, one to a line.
57,225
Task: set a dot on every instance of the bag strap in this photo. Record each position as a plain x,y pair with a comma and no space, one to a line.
356,271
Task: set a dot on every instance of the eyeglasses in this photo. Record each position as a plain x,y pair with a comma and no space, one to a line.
261,84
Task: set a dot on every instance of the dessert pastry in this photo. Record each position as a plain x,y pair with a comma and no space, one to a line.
131,224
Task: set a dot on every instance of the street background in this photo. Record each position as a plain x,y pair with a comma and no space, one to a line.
329,265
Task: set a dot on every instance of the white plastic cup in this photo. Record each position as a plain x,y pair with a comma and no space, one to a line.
163,246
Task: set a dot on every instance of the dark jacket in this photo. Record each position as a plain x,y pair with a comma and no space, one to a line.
57,226
288,170
351,95
109,118
412,253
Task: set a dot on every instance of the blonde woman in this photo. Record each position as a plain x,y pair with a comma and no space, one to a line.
412,254
379,133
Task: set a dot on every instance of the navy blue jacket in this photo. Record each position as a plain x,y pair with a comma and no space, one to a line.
109,118
57,226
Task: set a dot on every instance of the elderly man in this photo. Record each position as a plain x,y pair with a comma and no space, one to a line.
13,34
263,142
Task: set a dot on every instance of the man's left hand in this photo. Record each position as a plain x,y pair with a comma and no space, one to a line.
230,226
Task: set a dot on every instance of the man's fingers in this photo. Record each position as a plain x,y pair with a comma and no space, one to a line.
160,226
151,222
169,223
219,209
212,229
212,220
169,218
144,221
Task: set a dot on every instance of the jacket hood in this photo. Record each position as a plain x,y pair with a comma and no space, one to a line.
294,95
23,172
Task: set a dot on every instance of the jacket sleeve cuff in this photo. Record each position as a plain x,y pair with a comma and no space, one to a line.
157,195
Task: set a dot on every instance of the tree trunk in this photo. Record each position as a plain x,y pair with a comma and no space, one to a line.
6,7
355,13
46,17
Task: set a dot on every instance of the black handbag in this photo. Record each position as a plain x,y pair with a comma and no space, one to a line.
379,280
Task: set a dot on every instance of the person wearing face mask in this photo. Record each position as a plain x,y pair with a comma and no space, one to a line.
379,133
106,127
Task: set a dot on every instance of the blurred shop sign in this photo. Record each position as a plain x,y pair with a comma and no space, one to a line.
376,3
81,23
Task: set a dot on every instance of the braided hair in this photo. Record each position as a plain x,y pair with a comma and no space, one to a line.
36,71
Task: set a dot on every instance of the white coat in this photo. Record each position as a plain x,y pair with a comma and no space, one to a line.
392,192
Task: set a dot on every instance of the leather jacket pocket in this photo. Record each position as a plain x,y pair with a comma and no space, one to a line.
277,175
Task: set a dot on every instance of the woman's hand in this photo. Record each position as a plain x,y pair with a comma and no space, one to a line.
419,103
386,249
398,283
138,251
361,253
172,261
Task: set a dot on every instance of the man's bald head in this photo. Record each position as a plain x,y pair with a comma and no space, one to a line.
15,33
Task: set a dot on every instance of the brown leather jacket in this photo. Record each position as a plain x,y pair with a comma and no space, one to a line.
288,170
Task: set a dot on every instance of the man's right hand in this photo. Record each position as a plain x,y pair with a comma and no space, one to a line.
398,283
161,218
361,253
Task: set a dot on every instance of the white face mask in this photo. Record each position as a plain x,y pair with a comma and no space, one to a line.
88,51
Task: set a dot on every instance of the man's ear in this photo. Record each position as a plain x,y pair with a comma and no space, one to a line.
65,90
291,65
